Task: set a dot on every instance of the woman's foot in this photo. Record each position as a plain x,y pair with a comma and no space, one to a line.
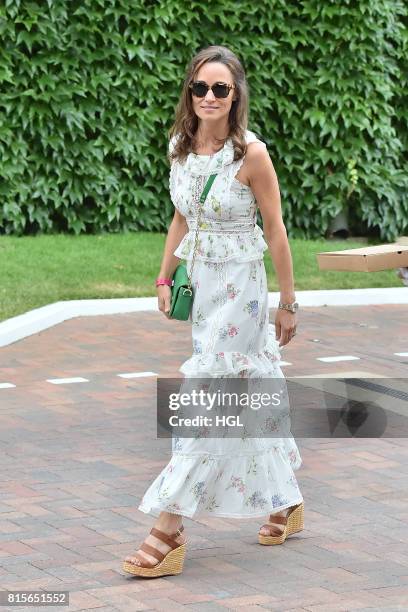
275,529
168,526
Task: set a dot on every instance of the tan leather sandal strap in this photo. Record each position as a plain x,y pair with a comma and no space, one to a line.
273,530
143,562
164,537
282,520
152,551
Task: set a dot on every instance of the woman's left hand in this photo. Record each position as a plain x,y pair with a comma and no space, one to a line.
285,325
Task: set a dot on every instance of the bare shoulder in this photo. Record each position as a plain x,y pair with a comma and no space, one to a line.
258,162
256,152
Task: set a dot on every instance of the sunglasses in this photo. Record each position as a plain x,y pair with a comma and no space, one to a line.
200,88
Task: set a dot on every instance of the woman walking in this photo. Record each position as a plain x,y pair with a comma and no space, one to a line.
231,333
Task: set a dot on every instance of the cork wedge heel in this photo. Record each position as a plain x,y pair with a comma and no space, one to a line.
168,564
292,523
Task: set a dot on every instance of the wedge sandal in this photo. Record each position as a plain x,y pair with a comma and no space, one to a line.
292,523
168,564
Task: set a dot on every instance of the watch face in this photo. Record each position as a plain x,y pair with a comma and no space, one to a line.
291,307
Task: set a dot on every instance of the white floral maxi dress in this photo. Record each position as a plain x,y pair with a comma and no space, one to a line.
232,337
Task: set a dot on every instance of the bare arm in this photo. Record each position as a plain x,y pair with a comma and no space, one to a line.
177,230
264,185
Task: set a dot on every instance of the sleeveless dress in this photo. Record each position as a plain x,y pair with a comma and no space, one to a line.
231,337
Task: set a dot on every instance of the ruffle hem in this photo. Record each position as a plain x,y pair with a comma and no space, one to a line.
236,364
213,485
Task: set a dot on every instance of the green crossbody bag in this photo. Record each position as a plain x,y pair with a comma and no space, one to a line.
181,289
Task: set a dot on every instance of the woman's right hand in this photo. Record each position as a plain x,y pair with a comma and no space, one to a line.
164,299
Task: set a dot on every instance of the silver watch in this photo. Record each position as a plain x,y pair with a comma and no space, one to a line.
291,307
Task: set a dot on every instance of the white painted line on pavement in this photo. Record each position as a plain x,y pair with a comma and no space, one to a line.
137,374
401,354
6,385
337,358
64,381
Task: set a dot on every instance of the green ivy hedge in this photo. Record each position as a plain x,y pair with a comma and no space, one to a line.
89,87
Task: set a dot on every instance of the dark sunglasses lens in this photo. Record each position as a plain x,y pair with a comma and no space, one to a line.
199,89
220,90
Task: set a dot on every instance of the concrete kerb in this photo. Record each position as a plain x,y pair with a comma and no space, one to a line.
39,319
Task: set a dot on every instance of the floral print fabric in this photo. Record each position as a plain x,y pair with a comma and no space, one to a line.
232,338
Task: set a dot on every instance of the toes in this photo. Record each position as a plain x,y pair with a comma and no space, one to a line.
274,531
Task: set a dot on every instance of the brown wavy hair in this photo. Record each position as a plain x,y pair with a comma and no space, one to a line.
186,121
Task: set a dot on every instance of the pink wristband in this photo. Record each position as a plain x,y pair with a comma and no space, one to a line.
164,281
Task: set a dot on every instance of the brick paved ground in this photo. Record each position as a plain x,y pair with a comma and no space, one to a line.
76,459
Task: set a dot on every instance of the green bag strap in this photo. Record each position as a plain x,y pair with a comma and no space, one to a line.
207,188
